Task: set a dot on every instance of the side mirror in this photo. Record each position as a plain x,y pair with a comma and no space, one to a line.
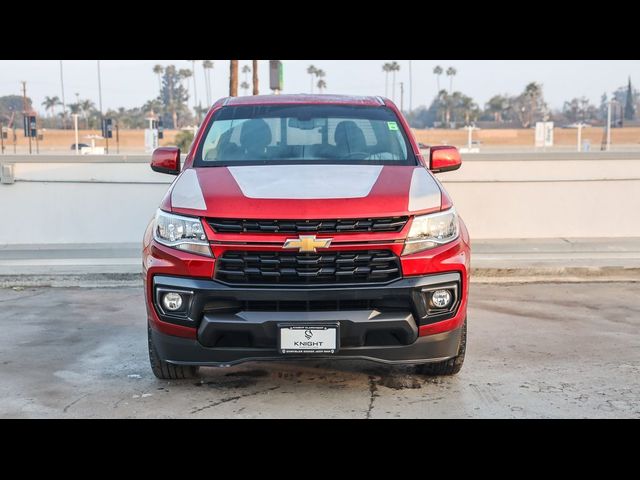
166,160
444,159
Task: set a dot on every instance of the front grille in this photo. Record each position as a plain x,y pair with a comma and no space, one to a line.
335,267
386,224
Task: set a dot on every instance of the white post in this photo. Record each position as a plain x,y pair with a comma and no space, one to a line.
579,137
75,126
470,130
609,126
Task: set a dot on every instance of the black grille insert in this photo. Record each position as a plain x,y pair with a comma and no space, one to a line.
386,224
334,267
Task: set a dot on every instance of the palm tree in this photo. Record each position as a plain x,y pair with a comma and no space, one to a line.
451,72
255,77
233,78
533,91
394,67
50,103
320,75
86,106
246,70
207,65
443,103
186,74
497,106
437,71
171,71
74,108
245,86
466,106
311,70
195,90
386,68
159,70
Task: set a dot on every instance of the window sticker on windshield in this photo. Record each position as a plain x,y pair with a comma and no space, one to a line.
392,125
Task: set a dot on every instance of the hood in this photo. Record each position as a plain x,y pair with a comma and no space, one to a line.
305,191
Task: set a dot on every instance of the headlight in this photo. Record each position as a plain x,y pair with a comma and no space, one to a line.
184,233
429,231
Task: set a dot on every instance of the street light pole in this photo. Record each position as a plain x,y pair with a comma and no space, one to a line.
75,126
410,88
102,125
64,107
25,113
609,125
99,89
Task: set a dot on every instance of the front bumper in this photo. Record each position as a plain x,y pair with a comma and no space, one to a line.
184,351
233,324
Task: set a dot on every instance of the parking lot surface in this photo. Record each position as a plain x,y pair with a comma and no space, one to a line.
534,351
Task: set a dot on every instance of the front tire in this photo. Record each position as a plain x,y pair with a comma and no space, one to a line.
164,370
447,367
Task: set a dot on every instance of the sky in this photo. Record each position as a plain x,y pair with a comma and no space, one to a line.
130,83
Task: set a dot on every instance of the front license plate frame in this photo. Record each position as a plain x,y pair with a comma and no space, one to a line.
305,333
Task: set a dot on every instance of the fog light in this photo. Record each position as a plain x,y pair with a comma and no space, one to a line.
172,301
441,298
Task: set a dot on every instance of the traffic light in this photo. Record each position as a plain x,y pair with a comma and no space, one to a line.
160,128
107,128
30,126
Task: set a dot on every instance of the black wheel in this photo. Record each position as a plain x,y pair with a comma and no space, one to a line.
167,371
447,367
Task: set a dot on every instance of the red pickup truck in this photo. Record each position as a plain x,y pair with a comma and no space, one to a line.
306,226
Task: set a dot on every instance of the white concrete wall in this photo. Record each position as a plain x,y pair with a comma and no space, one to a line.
535,196
547,198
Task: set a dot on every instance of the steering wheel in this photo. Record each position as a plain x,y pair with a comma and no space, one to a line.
359,155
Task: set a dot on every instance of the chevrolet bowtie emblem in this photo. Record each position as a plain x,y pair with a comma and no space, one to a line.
307,243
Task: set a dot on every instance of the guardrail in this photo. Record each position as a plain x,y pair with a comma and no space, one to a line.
110,198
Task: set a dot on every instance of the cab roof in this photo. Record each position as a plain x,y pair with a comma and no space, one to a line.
305,98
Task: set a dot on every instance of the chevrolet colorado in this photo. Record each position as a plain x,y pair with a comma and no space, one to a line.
305,226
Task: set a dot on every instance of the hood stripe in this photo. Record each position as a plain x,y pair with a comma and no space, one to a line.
309,182
424,193
186,192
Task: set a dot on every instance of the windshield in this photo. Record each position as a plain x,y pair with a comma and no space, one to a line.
269,134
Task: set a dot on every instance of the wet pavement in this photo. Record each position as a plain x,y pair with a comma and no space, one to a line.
534,351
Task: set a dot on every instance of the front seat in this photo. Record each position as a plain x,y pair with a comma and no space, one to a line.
255,136
349,139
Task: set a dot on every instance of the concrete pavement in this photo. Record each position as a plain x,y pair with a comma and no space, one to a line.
534,351
524,260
